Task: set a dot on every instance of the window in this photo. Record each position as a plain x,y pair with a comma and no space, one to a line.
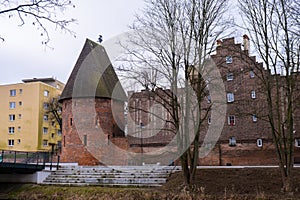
19,141
231,120
230,97
59,144
85,140
12,117
45,142
52,135
53,123
251,74
46,105
259,142
208,98
71,121
228,59
297,142
12,93
20,103
46,93
229,76
209,120
45,130
58,132
21,91
19,128
11,130
12,105
253,95
46,117
232,141
11,143
20,116
254,118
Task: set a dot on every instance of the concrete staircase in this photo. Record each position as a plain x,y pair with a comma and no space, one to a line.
137,176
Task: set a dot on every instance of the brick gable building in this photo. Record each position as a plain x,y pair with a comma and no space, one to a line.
246,138
94,118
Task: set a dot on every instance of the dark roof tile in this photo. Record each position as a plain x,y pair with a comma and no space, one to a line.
93,76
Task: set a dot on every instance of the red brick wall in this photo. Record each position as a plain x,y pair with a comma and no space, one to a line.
90,120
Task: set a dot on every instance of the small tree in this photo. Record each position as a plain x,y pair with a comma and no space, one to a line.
39,13
54,111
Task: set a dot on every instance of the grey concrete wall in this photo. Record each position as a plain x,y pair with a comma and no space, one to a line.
37,177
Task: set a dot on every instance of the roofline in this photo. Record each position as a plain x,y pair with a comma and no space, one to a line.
40,80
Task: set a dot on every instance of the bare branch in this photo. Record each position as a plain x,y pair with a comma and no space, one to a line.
41,12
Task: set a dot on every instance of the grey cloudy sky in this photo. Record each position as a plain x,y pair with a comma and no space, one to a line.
22,55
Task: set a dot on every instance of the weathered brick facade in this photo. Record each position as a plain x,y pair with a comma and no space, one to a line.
246,124
93,116
89,130
92,124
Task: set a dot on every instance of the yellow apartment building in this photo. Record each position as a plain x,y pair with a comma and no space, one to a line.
26,123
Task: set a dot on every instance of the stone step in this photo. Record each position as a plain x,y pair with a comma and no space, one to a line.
142,176
110,175
99,184
122,168
107,180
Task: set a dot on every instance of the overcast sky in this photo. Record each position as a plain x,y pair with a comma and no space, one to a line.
22,56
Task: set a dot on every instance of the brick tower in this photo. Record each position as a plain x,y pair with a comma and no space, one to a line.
92,110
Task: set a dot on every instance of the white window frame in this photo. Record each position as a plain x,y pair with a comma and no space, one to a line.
208,97
232,141
251,73
254,118
45,130
230,97
228,59
253,94
45,143
229,76
46,105
12,105
13,93
46,117
12,117
46,93
11,142
11,130
259,142
297,142
231,117
209,120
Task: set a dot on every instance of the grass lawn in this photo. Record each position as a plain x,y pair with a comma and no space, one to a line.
239,184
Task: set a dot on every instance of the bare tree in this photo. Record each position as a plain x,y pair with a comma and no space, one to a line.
54,111
171,43
273,26
39,13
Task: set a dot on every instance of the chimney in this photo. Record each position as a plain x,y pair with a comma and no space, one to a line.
246,43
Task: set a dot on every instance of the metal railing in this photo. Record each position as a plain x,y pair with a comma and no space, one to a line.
21,158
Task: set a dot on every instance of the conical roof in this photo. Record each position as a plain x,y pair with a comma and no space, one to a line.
93,76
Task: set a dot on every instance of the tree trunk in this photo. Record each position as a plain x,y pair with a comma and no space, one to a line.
185,168
287,186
